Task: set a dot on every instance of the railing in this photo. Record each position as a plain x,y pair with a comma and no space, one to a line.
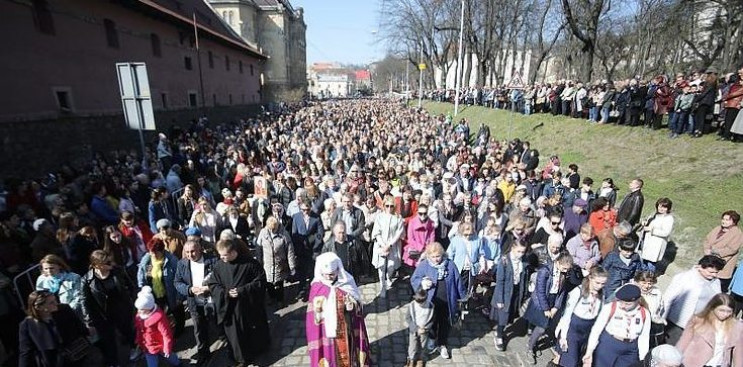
25,283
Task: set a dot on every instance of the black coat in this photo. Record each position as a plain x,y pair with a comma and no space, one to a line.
36,347
307,240
95,305
183,282
631,208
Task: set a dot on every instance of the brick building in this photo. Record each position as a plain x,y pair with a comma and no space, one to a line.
58,69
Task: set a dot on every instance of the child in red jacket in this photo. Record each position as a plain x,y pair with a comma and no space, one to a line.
154,335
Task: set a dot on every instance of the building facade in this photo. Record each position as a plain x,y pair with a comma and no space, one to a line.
278,30
60,60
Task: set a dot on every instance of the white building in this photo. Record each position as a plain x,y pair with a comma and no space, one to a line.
326,85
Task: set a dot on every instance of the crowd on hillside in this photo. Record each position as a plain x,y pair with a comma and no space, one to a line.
218,218
696,103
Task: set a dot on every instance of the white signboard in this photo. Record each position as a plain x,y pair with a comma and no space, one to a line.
136,100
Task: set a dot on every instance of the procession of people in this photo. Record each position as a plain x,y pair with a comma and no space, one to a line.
226,223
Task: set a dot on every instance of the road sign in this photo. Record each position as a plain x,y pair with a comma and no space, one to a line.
134,88
421,67
516,81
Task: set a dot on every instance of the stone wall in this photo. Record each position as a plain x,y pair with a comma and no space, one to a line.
33,148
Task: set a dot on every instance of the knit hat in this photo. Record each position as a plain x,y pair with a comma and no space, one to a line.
162,223
193,231
667,354
145,299
38,223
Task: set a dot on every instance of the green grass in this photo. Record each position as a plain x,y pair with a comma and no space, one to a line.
701,176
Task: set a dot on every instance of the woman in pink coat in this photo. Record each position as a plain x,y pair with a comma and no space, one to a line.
713,337
420,233
154,334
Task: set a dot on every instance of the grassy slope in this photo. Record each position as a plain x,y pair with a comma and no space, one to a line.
701,176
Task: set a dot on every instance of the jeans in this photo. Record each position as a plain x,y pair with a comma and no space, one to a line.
416,343
153,359
593,114
605,112
678,122
527,110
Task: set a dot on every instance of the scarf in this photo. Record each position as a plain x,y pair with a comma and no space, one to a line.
440,269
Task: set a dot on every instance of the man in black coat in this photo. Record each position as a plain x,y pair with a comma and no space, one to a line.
630,209
190,281
307,236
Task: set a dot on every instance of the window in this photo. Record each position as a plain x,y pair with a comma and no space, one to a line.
240,66
230,16
43,17
227,62
155,40
63,97
230,98
112,36
243,98
214,99
192,99
187,62
251,69
164,98
211,60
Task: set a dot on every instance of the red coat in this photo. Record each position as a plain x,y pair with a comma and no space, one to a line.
129,234
154,334
734,96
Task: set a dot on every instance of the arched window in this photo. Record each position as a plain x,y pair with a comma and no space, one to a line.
230,15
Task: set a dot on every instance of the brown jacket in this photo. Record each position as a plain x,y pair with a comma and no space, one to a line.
607,241
174,242
727,246
697,344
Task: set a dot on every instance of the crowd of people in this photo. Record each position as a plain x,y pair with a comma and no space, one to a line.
695,104
217,219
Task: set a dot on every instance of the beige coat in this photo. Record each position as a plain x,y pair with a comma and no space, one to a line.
727,246
276,253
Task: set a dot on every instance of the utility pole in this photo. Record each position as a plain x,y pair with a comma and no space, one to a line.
420,78
459,61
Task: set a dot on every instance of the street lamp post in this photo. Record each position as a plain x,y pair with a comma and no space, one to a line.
459,61
420,78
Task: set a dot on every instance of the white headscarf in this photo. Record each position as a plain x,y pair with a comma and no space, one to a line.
328,263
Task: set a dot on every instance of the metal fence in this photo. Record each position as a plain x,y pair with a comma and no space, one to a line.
25,283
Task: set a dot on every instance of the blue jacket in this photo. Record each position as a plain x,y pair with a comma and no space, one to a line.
103,212
504,278
457,252
183,281
169,270
454,288
542,288
619,273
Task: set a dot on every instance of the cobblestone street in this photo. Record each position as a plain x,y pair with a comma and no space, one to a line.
473,345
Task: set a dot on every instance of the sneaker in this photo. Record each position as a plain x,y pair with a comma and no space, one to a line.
499,346
445,352
134,354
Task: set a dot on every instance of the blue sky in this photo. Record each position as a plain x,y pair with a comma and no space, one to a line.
341,30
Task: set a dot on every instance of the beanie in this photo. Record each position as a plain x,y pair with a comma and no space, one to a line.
145,299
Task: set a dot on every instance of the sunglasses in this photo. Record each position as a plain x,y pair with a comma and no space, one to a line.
422,214
389,206
555,223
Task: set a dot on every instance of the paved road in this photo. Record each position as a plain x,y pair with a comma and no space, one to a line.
385,323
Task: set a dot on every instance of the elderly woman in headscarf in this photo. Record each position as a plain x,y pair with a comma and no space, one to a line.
336,332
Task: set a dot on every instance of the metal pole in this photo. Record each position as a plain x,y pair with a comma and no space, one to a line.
420,79
198,61
459,61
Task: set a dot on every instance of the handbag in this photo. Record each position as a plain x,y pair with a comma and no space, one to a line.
77,349
414,254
